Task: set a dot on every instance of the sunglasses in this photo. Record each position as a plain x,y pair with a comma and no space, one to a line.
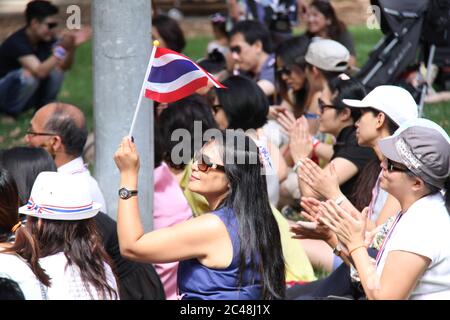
235,49
284,70
216,108
52,25
323,105
204,163
393,166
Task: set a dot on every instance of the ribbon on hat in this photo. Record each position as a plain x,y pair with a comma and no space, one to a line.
32,206
38,209
411,160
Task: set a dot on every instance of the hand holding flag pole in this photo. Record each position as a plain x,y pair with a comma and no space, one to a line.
141,94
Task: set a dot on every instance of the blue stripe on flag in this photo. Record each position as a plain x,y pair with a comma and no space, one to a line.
171,71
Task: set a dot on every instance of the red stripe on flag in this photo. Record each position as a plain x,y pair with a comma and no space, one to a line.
178,94
162,51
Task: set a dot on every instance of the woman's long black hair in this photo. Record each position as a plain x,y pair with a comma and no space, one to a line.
292,53
181,114
81,243
258,230
25,164
244,103
361,194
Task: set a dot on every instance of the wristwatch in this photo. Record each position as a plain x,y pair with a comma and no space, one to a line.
124,193
337,250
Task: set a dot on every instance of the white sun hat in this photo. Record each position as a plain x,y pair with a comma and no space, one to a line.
60,196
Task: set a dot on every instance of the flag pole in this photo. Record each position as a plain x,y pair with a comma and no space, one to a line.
141,94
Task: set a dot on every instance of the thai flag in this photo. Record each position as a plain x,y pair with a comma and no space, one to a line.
174,76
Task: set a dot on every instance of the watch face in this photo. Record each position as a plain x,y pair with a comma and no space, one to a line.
123,193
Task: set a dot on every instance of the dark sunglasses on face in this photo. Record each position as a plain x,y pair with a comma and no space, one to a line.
52,25
216,108
235,49
204,163
392,166
284,70
323,105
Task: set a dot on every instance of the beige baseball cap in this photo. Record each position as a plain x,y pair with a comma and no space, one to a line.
328,55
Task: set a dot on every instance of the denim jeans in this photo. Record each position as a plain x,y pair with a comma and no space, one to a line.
19,92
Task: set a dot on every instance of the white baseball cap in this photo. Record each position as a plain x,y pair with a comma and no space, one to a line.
60,196
396,102
328,55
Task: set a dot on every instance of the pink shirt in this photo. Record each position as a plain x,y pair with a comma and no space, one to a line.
170,208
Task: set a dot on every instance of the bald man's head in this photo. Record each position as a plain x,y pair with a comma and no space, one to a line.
68,122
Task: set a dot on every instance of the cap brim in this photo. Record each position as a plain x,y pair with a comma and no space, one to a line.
63,216
388,149
355,103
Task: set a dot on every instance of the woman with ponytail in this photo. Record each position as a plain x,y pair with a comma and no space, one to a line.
19,253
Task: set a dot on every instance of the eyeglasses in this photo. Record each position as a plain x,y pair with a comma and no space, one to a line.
323,105
235,49
216,108
30,132
52,25
204,163
284,70
392,166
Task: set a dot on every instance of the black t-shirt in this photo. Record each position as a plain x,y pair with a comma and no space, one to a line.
345,38
136,280
347,147
18,45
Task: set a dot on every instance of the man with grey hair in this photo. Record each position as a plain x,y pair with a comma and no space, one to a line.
61,129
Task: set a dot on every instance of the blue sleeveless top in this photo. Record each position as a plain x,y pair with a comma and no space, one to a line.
196,281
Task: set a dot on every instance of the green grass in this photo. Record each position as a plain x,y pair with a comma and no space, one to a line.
77,88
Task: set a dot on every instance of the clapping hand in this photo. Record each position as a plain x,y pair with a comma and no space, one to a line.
300,140
71,39
350,227
313,228
274,111
82,35
322,181
286,119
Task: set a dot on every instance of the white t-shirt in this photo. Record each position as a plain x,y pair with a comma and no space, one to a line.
425,230
273,183
77,166
66,283
15,268
273,130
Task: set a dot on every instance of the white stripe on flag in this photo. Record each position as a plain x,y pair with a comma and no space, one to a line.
167,58
176,84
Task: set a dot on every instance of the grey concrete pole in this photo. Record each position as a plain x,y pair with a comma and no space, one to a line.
121,51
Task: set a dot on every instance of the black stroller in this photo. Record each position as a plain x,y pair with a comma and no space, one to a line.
412,31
